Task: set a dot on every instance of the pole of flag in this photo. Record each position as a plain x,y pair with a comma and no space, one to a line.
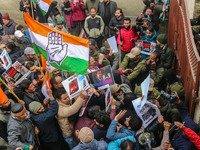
10,90
32,9
41,69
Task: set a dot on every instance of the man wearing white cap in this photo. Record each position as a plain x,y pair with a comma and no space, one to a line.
29,55
21,40
134,67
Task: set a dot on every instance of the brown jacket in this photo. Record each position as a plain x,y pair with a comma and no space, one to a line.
66,111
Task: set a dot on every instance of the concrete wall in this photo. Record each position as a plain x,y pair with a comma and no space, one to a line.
130,7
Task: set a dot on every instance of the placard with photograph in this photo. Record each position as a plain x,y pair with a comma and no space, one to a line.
5,59
74,84
102,78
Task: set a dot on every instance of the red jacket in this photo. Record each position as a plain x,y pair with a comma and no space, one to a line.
126,36
192,136
78,14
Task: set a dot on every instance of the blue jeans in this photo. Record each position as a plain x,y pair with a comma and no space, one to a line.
69,140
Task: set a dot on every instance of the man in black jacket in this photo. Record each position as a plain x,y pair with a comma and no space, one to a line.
106,11
116,22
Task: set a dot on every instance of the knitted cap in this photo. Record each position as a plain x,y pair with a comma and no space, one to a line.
34,107
86,135
143,138
179,89
6,16
60,20
162,38
52,68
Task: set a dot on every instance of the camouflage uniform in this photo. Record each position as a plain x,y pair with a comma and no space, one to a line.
139,69
96,57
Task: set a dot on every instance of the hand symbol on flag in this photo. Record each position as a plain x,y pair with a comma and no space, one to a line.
56,50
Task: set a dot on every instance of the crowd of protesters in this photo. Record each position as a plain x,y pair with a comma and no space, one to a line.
35,123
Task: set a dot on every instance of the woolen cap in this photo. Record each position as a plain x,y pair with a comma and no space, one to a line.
34,107
17,108
86,135
29,51
114,88
60,20
18,33
134,52
162,38
6,16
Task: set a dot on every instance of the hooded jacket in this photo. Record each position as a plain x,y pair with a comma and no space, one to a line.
94,145
125,37
9,29
152,39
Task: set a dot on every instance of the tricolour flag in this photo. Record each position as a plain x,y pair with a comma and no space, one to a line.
43,4
63,51
46,83
3,96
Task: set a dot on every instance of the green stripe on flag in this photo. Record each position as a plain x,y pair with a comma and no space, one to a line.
70,64
43,12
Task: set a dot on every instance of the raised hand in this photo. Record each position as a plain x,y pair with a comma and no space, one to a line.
56,50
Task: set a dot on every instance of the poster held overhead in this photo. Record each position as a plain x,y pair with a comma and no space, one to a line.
113,44
74,84
5,59
147,113
102,78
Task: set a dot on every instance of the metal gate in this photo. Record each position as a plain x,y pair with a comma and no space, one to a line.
180,39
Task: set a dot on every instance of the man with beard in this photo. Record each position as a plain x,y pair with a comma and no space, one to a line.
30,94
60,25
9,25
20,128
106,11
126,38
94,27
56,82
21,40
166,52
29,55
50,134
116,21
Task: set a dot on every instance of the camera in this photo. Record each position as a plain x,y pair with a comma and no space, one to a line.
139,23
120,26
171,98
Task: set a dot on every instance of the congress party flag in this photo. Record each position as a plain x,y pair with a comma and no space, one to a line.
62,51
43,4
3,96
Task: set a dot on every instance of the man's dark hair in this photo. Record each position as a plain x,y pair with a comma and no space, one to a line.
56,13
11,45
149,8
91,111
53,80
19,27
93,8
158,55
119,10
59,93
16,108
29,64
25,84
151,28
135,123
127,19
36,75
127,143
103,118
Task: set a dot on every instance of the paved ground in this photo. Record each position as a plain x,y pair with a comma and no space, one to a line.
130,7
